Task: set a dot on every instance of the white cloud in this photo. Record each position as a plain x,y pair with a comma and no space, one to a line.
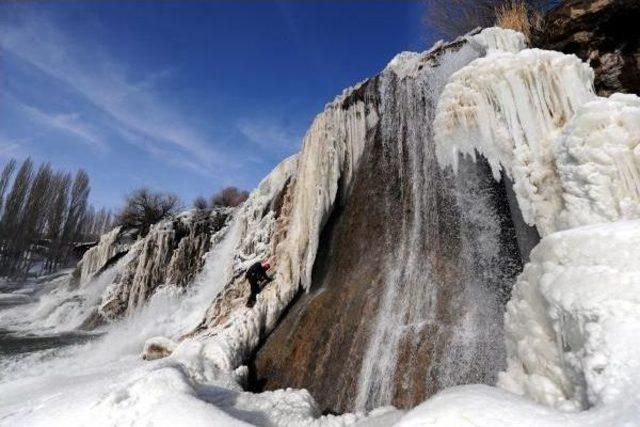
269,135
70,123
133,106
11,147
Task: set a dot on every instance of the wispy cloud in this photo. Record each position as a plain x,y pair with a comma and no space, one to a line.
10,147
71,123
270,135
133,106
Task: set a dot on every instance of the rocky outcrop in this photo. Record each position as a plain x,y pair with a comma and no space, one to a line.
172,253
112,245
602,32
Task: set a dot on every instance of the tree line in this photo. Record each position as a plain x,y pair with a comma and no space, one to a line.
46,220
44,216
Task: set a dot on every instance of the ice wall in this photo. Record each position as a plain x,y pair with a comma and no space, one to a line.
407,288
282,221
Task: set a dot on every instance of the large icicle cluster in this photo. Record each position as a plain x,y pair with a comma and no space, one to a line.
510,106
534,113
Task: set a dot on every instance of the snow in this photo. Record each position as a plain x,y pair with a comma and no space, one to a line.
58,305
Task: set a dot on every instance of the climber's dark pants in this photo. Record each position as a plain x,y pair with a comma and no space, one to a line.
255,288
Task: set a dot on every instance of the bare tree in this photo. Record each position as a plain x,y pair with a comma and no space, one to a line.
44,215
11,218
200,203
16,198
34,215
56,217
5,178
144,207
229,196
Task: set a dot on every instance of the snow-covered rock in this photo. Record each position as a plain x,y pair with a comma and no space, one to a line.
171,254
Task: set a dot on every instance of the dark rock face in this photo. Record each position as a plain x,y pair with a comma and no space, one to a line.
602,32
413,269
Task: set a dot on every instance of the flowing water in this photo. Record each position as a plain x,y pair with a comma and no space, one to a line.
445,276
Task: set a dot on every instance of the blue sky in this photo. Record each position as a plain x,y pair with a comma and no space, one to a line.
186,97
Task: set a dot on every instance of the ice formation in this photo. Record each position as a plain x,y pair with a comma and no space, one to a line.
170,255
598,161
531,113
97,257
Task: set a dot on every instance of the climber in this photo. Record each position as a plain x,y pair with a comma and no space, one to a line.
256,274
